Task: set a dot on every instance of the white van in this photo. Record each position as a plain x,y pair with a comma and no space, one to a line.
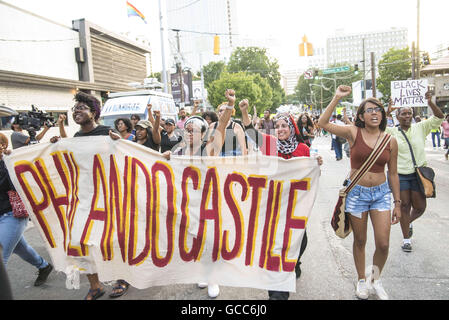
125,104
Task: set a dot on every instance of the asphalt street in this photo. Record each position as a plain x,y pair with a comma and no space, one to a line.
328,271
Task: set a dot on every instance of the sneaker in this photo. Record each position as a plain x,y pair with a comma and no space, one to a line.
362,291
213,290
377,287
43,274
407,247
202,285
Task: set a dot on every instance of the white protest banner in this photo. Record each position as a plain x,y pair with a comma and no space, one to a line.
409,93
122,210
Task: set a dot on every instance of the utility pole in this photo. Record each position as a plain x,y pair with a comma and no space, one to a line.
164,71
413,61
179,66
373,73
202,79
418,55
321,108
364,69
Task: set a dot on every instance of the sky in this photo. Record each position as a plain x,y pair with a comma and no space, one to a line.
287,21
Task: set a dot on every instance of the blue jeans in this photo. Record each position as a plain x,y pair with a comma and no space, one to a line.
437,134
12,241
337,148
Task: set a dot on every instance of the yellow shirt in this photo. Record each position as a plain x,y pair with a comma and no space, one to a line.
416,135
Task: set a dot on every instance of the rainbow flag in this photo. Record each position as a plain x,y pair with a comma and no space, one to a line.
132,11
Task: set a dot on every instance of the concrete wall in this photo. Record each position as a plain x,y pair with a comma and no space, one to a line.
26,52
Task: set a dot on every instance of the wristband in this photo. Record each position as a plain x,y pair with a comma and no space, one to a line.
229,107
397,201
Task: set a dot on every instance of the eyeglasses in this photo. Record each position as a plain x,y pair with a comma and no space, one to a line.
82,107
371,110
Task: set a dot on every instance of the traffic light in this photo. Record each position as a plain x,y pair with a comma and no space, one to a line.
425,59
305,46
216,45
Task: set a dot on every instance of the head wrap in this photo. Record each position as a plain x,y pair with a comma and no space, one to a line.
289,145
198,122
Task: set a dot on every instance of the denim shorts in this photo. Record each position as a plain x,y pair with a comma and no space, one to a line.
409,182
362,199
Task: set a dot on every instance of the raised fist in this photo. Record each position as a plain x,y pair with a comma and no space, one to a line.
343,91
243,105
61,118
230,96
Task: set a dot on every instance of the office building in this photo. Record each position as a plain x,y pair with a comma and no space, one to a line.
198,22
349,49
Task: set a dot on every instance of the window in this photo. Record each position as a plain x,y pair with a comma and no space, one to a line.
5,123
55,116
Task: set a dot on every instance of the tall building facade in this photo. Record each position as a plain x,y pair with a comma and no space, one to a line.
198,22
318,60
289,80
350,48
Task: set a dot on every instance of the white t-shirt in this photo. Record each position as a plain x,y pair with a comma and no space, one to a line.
340,123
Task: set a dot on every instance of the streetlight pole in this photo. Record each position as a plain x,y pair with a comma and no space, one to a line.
164,70
321,90
333,79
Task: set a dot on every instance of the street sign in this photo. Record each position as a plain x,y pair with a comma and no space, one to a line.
336,70
308,74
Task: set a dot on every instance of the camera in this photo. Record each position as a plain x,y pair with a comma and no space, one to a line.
33,120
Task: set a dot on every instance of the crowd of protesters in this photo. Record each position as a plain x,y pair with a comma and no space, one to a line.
293,136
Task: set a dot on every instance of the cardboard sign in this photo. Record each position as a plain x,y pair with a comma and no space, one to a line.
409,93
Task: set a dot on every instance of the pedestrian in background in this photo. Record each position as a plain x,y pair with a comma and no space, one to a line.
337,142
124,128
19,139
306,129
134,119
148,134
436,134
210,117
372,195
170,136
266,124
182,115
445,126
12,229
414,201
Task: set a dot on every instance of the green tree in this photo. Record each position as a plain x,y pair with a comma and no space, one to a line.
256,60
212,71
395,65
320,90
246,86
156,75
